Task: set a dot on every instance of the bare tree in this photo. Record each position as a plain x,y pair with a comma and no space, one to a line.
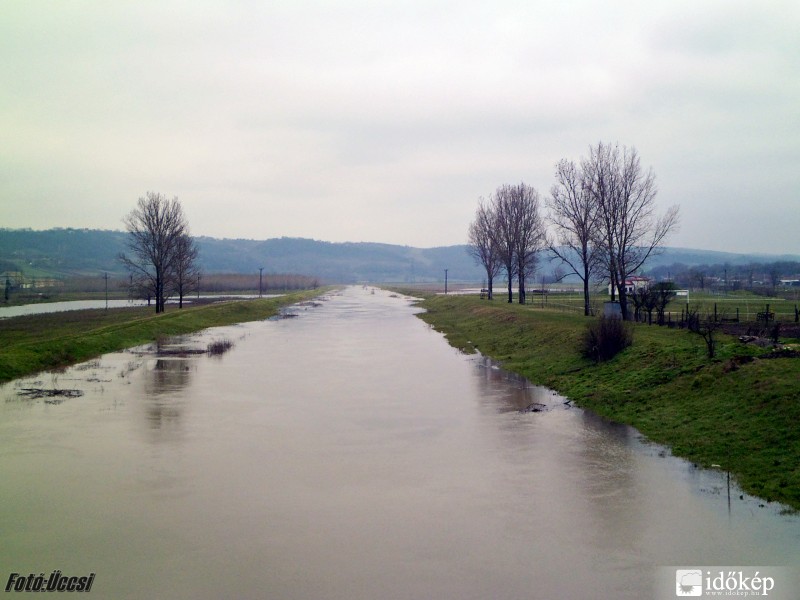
601,180
504,233
699,275
750,273
574,215
630,232
706,327
156,226
186,269
640,298
481,243
774,277
664,292
529,236
517,233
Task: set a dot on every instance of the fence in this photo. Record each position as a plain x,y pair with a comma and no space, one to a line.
728,310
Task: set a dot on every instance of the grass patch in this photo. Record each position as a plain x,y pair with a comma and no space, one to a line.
737,410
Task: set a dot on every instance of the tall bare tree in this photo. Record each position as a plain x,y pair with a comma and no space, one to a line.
504,233
529,236
630,232
517,233
186,269
575,218
155,226
600,177
481,243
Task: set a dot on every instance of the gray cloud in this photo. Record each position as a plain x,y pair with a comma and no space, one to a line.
386,121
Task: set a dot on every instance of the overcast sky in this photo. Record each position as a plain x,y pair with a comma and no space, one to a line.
385,121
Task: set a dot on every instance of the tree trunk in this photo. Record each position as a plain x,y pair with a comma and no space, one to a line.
623,303
586,305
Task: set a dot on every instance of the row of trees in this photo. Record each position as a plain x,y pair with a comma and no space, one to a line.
507,233
163,254
602,214
758,277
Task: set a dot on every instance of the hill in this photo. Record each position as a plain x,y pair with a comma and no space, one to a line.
89,252
338,262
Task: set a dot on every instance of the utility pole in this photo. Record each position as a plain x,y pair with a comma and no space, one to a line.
445,280
260,271
105,276
198,286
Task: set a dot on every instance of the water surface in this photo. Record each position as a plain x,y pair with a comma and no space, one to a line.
349,453
49,307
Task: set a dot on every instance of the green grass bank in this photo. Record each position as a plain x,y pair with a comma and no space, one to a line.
34,343
740,410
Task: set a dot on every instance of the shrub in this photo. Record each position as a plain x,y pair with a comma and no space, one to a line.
218,347
775,332
706,328
605,337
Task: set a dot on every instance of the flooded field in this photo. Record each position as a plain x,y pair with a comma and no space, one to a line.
51,307
349,453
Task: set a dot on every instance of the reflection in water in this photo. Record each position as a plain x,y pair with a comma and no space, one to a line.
163,400
350,453
506,391
168,376
613,498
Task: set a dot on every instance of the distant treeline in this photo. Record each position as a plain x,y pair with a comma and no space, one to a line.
765,278
211,283
226,282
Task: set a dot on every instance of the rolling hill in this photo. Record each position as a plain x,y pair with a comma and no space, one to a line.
87,252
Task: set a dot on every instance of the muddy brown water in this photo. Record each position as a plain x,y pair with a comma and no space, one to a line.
349,453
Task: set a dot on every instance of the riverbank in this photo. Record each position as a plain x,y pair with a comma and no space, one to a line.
48,341
738,412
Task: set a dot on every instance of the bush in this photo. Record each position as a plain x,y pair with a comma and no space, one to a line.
605,337
218,347
775,332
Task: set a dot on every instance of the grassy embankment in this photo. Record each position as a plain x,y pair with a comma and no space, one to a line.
743,416
40,342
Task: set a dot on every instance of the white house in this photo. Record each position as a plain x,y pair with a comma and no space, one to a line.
633,283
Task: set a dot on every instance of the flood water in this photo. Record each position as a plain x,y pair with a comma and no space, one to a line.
349,453
49,307
38,308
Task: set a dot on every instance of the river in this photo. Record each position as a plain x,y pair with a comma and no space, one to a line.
350,453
